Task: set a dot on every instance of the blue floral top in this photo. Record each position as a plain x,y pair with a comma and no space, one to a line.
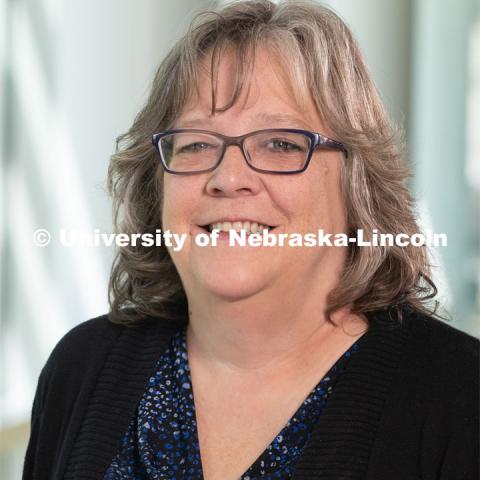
161,441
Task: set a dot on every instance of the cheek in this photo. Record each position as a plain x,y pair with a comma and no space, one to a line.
175,204
315,200
306,197
331,197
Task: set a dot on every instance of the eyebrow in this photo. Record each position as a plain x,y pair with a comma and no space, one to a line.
269,118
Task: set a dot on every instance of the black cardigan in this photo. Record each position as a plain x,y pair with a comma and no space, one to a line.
407,407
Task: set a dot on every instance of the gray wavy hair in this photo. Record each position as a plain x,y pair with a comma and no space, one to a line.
324,63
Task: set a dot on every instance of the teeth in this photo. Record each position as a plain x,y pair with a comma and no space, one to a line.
249,227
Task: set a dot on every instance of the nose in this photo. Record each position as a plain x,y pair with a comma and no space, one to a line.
233,177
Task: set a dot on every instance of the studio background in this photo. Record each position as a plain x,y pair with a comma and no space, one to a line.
73,74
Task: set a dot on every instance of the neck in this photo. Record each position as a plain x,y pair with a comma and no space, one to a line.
261,333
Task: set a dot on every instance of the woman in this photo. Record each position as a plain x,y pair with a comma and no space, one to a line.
227,362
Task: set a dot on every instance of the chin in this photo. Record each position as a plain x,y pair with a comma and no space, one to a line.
232,283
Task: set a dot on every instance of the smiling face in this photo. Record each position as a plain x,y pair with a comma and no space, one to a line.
297,203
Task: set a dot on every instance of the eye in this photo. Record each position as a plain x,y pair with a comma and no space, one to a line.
284,146
194,147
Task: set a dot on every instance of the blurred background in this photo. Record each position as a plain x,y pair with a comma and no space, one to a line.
73,74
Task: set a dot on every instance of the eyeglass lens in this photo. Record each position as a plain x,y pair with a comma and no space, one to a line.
272,151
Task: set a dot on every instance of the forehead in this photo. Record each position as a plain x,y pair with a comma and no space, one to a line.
264,87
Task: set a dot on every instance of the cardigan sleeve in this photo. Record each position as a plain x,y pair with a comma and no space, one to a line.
462,451
429,424
62,394
451,428
29,465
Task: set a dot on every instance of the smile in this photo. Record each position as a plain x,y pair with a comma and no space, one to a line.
236,223
239,226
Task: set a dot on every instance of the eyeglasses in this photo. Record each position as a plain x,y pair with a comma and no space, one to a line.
277,150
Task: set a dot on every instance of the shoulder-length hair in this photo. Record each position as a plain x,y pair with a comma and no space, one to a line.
323,62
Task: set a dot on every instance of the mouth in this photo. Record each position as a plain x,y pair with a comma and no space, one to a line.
238,226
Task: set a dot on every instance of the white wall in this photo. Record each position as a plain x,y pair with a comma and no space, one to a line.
383,31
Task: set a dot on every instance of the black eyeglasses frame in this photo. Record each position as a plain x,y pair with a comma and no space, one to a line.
316,140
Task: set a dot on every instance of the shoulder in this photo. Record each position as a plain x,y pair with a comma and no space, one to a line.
436,381
85,347
443,385
86,340
79,356
97,334
441,341
435,357
428,427
427,335
439,361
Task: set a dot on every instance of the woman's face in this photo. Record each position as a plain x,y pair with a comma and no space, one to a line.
297,203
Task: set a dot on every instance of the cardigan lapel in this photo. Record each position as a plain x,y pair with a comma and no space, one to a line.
340,445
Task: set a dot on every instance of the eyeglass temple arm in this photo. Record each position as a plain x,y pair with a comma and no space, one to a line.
321,141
